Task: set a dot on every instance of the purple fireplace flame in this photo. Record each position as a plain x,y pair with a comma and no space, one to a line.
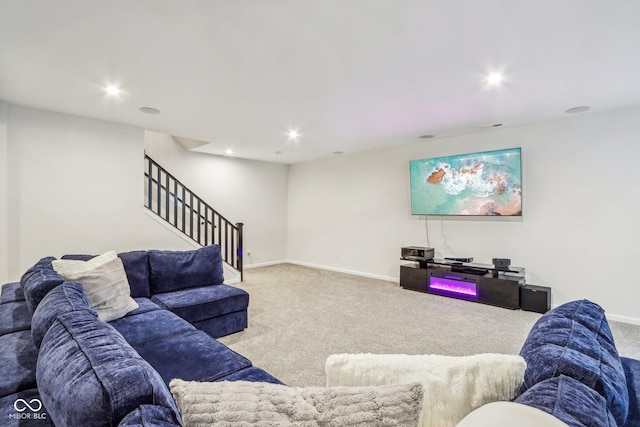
453,287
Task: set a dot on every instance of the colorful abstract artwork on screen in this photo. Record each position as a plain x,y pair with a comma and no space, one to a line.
487,183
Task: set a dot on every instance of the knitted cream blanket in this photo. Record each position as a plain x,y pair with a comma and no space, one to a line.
243,403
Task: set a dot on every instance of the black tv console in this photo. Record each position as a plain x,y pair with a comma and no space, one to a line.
481,283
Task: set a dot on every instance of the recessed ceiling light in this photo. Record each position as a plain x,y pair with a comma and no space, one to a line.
112,90
149,110
580,109
495,79
293,134
228,152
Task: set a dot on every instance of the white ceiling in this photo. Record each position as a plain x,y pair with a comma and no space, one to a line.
351,75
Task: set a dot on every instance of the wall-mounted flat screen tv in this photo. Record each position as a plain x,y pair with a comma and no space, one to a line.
482,184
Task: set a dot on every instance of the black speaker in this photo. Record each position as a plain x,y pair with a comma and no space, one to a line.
535,298
501,264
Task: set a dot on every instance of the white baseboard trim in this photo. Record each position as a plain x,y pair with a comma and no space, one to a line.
614,317
344,270
623,319
264,264
323,267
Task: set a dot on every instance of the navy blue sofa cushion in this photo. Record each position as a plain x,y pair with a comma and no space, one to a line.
574,339
570,401
632,372
14,316
144,305
136,266
89,375
67,297
175,270
150,326
38,281
17,362
191,356
224,325
11,292
197,304
253,374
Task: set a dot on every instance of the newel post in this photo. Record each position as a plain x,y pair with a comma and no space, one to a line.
240,250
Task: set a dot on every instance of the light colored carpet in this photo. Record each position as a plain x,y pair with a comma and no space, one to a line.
298,316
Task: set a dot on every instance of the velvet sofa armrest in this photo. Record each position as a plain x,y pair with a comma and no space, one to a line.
574,340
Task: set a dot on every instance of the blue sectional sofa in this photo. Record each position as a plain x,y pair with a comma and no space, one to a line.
62,365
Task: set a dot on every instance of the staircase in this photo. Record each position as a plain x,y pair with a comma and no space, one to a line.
181,208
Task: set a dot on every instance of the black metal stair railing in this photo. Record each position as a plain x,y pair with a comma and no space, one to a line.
168,198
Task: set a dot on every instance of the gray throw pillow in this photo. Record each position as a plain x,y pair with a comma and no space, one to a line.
104,281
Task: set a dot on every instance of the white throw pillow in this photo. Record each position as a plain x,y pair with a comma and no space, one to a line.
68,266
453,385
245,403
104,281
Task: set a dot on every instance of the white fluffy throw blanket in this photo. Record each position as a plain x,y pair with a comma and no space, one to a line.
253,404
453,386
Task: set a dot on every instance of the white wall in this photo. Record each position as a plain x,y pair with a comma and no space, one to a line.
71,187
251,192
578,233
75,185
4,194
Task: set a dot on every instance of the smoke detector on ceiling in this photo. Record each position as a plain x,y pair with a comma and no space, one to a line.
580,109
149,110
